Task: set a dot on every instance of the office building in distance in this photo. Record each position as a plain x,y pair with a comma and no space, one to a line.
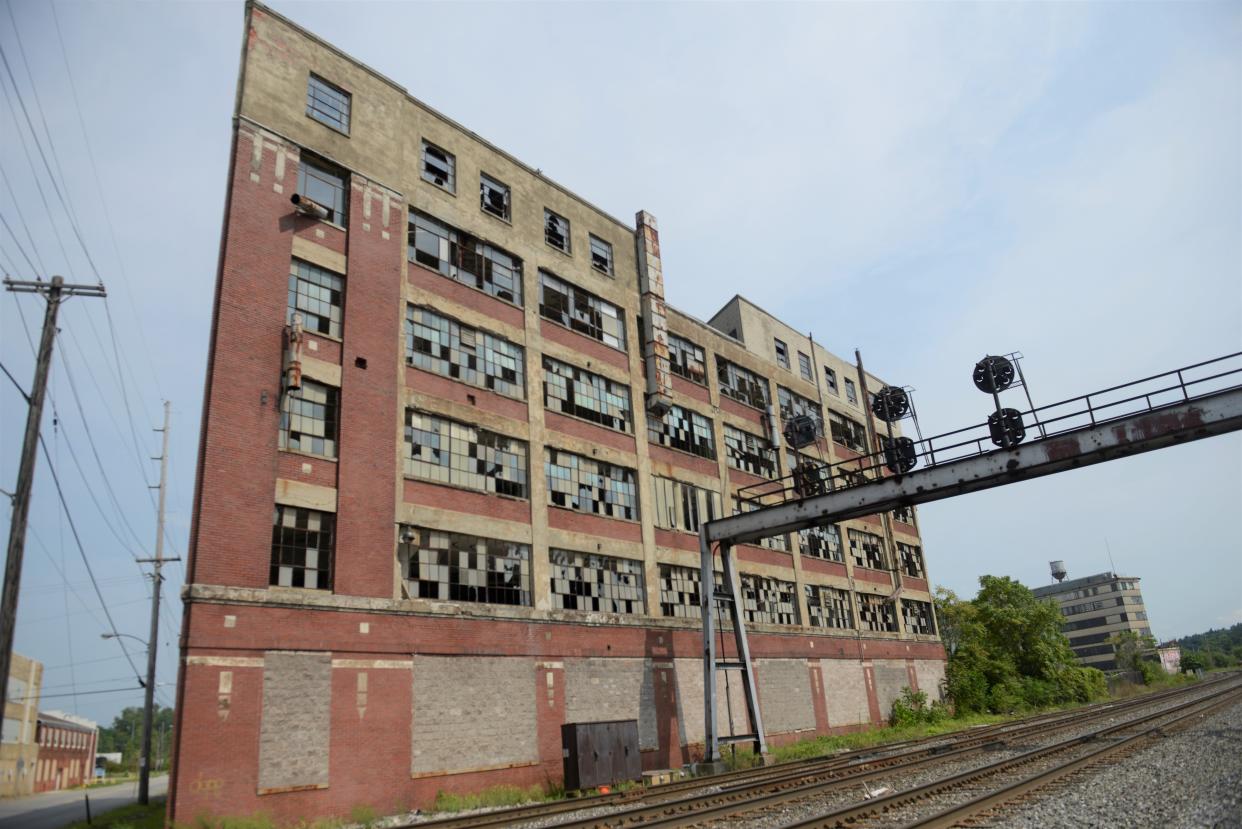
1095,609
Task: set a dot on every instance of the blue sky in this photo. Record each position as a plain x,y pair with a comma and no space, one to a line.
925,182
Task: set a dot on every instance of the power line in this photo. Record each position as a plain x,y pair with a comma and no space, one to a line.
16,384
79,694
8,185
18,242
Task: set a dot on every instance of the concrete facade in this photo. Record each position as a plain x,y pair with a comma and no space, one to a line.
19,748
1097,608
429,616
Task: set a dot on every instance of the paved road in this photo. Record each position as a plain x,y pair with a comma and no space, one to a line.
53,810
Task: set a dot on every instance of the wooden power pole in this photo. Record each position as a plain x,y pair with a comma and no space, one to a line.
55,292
148,708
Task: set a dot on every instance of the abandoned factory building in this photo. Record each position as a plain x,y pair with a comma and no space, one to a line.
455,453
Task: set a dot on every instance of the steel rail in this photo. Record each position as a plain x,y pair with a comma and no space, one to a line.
732,799
938,744
852,815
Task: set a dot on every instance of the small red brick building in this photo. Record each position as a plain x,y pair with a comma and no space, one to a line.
66,751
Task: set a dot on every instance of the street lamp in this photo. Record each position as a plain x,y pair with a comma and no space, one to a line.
126,635
144,759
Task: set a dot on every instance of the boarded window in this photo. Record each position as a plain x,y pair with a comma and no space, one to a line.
296,721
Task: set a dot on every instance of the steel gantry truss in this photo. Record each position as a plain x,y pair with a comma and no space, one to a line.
1176,407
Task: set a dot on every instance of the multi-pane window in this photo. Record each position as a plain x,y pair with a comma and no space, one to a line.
327,103
447,452
588,485
793,404
444,346
465,568
851,393
782,353
681,591
464,258
749,453
582,311
904,514
308,418
439,167
574,391
302,548
772,542
828,607
868,550
848,432
823,542
918,616
687,359
556,230
911,559
316,294
741,384
876,613
682,506
325,187
685,430
830,379
493,196
804,367
770,601
587,581
601,255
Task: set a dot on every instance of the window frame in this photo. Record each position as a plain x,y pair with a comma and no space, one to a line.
323,171
550,219
450,183
851,391
830,380
577,309
340,125
843,429
491,183
460,253
331,420
449,558
683,507
805,368
765,453
702,435
515,484
281,543
485,353
627,599
782,353
619,485
601,391
682,367
830,610
593,241
298,270
734,381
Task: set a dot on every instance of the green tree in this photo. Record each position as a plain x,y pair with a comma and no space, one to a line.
1131,648
125,736
1192,661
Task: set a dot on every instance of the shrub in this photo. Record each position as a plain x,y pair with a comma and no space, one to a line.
911,708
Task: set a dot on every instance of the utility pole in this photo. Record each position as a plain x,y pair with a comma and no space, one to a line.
55,292
144,759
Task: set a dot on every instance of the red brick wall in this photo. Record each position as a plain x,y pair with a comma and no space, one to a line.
560,518
441,285
589,348
463,500
585,430
433,385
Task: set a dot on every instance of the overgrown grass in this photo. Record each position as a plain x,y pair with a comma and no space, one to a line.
493,797
132,816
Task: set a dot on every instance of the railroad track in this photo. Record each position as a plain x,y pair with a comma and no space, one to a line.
986,790
697,800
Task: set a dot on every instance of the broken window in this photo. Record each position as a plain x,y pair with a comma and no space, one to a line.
793,404
302,541
876,613
584,312
772,542
904,514
749,453
493,196
308,418
446,347
556,230
770,601
588,581
439,167
851,393
588,485
685,430
830,378
686,359
327,104
828,607
823,542
918,616
325,187
316,294
445,451
804,367
782,353
601,255
911,559
868,550
465,568
464,258
577,392
682,506
741,384
681,591
847,432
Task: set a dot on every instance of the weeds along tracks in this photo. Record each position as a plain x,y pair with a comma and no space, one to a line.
691,801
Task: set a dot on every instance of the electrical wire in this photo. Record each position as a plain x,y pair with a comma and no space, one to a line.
22,217
18,242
